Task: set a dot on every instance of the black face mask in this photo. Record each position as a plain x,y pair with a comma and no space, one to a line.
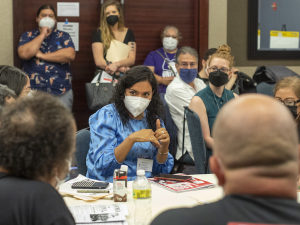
112,19
218,78
293,110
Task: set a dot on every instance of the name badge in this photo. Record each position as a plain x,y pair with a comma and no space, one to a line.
144,164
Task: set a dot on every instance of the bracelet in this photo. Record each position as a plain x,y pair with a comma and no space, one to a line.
163,153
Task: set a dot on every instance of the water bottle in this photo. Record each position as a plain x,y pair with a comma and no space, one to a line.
142,199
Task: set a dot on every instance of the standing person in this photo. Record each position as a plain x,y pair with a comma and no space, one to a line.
203,74
37,139
46,53
130,130
112,28
179,94
15,79
287,91
162,61
256,161
208,102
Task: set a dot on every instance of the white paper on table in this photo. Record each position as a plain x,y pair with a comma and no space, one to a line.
105,78
99,213
66,188
284,39
117,51
68,9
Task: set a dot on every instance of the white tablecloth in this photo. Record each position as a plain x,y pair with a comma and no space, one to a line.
163,200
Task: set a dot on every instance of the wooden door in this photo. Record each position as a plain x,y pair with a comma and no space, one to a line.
146,18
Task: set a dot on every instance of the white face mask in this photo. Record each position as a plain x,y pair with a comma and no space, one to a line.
47,22
60,182
170,43
136,105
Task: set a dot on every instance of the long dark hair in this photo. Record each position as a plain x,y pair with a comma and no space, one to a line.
45,7
135,75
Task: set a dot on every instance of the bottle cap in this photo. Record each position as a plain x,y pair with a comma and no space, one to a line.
124,168
140,172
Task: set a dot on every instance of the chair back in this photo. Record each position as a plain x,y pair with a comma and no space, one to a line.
197,140
82,148
170,126
265,88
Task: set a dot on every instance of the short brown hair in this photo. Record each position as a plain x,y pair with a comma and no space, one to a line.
289,82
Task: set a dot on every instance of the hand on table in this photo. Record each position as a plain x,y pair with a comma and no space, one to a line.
145,135
162,135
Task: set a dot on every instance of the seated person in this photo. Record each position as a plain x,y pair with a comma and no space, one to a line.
203,74
256,161
160,60
112,28
6,95
36,149
129,130
208,102
15,79
179,94
287,91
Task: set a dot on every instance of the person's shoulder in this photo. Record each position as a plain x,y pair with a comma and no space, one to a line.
190,216
97,32
202,92
200,82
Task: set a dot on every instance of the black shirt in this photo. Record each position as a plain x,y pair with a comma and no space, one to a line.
96,37
205,80
235,208
129,37
30,202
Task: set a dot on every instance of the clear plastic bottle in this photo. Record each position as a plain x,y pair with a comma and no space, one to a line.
142,199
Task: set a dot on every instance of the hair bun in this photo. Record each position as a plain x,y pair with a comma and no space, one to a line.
225,49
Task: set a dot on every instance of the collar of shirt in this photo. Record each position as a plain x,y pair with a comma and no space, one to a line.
198,84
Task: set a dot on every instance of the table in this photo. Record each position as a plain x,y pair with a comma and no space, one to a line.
163,199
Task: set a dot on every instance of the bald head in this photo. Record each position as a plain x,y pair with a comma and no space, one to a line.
255,131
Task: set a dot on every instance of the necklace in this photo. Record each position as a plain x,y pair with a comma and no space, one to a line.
216,99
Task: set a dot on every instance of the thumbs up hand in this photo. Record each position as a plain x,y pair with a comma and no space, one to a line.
162,135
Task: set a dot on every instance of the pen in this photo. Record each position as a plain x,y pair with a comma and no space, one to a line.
93,191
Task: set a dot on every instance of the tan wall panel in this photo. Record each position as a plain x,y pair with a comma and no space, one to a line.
6,37
217,23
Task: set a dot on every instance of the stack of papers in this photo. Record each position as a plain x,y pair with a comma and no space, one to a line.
94,214
67,190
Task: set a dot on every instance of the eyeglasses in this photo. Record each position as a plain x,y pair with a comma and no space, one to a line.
214,69
288,102
172,36
186,65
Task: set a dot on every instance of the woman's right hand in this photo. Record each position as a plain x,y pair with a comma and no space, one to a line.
145,135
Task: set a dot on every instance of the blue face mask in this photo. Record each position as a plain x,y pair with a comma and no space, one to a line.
188,75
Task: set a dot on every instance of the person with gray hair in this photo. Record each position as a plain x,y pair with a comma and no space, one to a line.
6,95
162,61
256,160
179,94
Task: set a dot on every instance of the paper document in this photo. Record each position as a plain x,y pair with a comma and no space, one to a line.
117,51
66,189
99,213
284,39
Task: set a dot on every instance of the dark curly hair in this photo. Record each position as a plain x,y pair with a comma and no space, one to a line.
135,75
36,135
